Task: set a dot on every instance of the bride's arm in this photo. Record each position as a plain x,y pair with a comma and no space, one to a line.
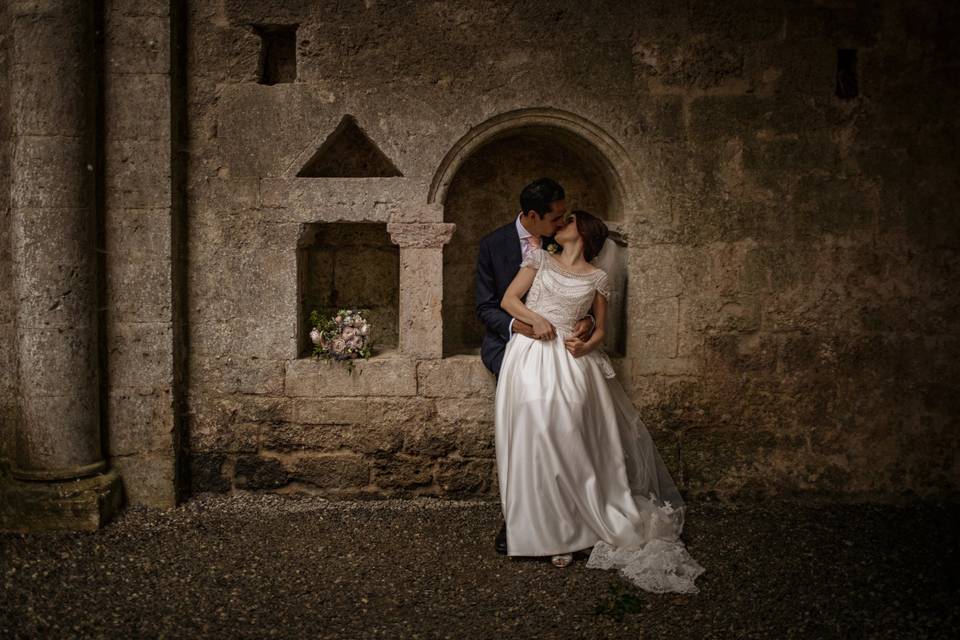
579,347
512,304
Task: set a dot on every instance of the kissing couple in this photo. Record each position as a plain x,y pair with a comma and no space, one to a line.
576,466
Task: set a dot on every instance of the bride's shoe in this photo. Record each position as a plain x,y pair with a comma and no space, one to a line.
562,560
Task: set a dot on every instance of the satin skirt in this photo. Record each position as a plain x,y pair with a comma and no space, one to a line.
578,469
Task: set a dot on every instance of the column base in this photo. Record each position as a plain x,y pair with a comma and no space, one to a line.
85,504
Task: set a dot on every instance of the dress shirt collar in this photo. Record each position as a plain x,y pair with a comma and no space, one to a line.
521,230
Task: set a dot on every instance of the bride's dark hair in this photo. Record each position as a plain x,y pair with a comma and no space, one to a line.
593,232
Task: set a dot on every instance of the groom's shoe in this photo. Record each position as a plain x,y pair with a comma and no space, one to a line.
501,541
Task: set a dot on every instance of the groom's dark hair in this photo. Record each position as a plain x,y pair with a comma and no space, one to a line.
593,232
539,195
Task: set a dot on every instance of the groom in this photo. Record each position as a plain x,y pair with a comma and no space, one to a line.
542,211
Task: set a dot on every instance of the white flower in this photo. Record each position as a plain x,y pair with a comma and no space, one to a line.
315,336
348,333
364,328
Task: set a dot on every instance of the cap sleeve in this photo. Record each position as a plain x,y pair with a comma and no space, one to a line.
534,259
603,284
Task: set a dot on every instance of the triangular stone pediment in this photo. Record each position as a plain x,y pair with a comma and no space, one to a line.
348,153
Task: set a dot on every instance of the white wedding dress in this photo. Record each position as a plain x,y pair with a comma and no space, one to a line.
576,465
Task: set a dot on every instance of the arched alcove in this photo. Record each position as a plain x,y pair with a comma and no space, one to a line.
479,184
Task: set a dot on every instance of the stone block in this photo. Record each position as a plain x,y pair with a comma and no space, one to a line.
137,44
215,194
432,439
741,313
159,8
386,375
455,377
51,171
207,473
717,117
421,291
148,479
655,272
461,410
8,359
402,471
406,411
343,199
237,374
138,288
332,472
465,477
57,362
258,472
140,233
140,355
375,439
137,174
86,504
32,23
270,338
137,107
140,421
34,113
212,432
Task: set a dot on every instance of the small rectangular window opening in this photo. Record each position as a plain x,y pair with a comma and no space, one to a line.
278,53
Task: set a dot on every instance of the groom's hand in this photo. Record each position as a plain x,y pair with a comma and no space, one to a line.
524,329
583,329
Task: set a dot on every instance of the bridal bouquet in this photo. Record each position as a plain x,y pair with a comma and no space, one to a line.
342,336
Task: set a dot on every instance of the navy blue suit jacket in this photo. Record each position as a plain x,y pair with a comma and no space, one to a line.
498,262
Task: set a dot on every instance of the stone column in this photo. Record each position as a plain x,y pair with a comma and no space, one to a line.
421,285
53,102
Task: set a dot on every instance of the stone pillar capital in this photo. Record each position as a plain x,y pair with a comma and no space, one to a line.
420,234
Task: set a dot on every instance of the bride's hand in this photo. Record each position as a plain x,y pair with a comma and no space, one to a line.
543,330
576,346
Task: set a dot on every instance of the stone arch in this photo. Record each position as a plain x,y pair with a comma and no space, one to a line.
498,154
578,132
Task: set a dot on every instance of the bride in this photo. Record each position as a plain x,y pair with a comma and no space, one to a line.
576,465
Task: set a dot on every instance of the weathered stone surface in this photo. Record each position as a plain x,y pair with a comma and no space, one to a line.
421,277
332,472
387,375
140,420
148,479
402,471
140,354
207,473
792,254
465,477
255,472
78,505
457,377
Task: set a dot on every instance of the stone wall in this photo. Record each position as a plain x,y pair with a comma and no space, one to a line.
137,205
792,254
791,324
8,362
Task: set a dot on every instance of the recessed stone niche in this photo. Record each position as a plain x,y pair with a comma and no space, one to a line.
278,53
486,194
346,265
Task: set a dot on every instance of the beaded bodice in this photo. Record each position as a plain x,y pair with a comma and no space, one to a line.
562,297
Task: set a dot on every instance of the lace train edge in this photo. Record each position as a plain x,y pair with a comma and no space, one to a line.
660,566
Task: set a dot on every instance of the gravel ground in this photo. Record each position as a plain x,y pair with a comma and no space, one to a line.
267,566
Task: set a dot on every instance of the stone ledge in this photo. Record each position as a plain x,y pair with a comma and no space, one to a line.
77,505
456,377
384,375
